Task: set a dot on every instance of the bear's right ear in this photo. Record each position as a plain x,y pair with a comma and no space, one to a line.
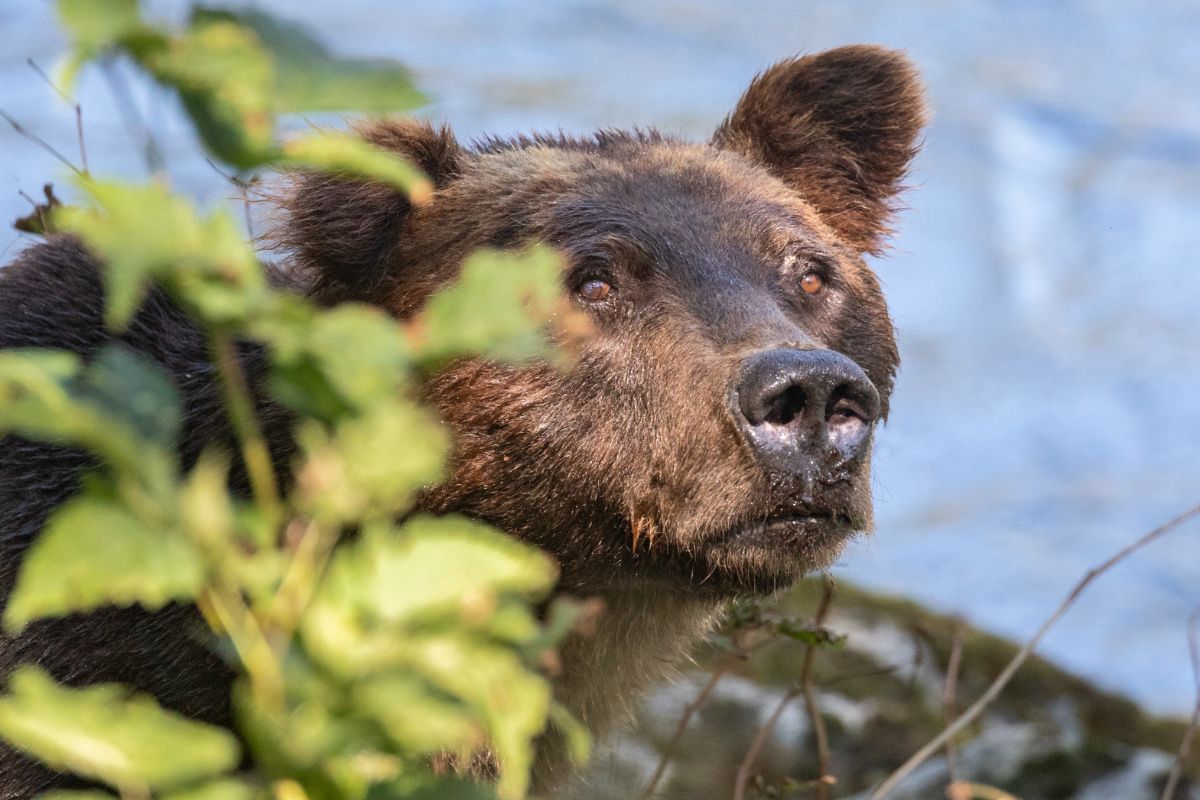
839,128
343,232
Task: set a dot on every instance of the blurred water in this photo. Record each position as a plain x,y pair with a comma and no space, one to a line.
1044,281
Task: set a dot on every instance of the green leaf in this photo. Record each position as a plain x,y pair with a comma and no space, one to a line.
498,308
513,701
93,553
76,794
416,716
224,78
346,154
402,577
575,736
123,385
220,789
103,733
205,507
144,233
95,25
309,78
34,399
814,637
433,570
326,363
373,464
239,136
45,395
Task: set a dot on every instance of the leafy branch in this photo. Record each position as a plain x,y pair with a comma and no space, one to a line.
362,660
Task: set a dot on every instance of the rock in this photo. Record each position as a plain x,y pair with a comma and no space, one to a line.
1050,735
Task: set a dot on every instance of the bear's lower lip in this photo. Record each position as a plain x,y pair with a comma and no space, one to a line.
764,555
778,531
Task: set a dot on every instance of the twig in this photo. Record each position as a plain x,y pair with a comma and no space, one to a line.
669,750
948,698
8,246
810,700
873,672
78,111
743,647
1185,747
243,187
223,603
255,455
805,689
760,738
134,124
309,556
997,686
39,141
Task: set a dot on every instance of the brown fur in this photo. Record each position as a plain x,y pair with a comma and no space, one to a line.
629,467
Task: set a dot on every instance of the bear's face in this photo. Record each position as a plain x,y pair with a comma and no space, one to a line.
714,432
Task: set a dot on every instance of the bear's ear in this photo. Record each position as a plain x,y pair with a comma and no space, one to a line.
840,128
342,232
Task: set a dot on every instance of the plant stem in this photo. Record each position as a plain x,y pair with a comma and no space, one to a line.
255,455
223,602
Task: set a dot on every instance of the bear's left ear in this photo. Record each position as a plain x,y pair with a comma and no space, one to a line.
344,232
839,127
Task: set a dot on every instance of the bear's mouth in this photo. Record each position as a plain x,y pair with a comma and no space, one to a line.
769,552
777,530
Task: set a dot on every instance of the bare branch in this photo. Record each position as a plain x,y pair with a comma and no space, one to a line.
243,187
997,686
39,141
255,454
1185,747
41,73
804,688
824,779
948,698
78,111
760,738
8,246
669,750
134,123
873,672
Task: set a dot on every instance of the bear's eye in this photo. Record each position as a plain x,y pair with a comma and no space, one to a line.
595,290
811,283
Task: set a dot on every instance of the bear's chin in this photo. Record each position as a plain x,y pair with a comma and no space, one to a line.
763,557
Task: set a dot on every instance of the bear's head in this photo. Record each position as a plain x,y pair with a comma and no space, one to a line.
714,434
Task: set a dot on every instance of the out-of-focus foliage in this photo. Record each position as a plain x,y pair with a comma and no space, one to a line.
102,732
234,71
362,662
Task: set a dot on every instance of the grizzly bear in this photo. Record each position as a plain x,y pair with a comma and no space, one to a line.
712,439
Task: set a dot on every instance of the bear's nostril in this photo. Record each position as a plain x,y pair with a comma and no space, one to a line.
794,406
842,409
786,407
846,426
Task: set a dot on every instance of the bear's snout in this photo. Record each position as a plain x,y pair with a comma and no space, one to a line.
802,411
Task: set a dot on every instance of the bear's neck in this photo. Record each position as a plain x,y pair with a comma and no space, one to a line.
643,634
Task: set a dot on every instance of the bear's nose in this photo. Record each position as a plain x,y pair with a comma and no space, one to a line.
799,408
